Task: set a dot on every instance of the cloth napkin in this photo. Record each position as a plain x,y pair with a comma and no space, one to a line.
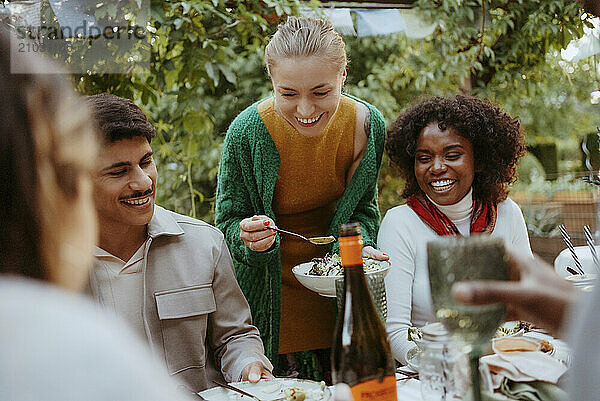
523,367
532,391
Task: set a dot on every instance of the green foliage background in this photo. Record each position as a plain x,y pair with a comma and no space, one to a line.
207,66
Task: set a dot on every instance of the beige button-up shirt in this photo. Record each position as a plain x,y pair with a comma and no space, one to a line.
193,311
121,285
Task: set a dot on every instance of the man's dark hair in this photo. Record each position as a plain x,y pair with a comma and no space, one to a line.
119,118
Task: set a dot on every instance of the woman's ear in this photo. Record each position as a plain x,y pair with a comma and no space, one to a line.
344,75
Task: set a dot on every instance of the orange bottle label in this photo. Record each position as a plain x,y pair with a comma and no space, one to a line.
374,390
351,250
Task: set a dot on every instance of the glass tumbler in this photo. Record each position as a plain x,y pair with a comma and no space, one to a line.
443,369
376,285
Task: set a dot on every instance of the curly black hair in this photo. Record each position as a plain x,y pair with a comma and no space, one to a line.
496,137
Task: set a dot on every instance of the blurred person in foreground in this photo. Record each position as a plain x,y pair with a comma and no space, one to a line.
54,344
170,276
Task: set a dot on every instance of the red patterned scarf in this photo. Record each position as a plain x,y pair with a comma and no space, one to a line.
483,219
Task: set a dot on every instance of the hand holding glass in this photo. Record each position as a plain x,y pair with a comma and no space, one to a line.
454,259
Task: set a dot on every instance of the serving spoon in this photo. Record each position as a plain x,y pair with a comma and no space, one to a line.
313,240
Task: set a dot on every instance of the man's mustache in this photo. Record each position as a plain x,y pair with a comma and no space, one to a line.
137,194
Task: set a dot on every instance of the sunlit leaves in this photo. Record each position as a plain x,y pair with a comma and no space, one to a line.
207,66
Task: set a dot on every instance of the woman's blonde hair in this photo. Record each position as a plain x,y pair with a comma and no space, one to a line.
304,37
47,145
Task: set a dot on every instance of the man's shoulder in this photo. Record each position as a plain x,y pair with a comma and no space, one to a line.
190,225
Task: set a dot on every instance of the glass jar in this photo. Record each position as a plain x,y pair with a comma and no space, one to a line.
443,369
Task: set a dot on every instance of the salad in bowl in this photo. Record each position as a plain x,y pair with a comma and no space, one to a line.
320,274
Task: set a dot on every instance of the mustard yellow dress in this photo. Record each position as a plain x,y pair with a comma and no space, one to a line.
311,179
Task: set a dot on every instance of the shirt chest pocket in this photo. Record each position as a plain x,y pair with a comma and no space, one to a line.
183,314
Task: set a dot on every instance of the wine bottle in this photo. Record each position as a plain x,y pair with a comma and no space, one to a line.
361,355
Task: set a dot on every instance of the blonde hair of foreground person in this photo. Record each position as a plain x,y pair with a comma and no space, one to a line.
305,37
48,147
57,345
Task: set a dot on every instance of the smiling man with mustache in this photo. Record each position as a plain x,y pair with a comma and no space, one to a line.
170,276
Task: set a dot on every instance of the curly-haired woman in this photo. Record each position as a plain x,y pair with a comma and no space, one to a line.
458,157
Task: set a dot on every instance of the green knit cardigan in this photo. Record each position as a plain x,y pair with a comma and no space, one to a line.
248,171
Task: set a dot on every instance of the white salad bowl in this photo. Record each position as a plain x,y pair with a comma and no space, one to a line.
325,285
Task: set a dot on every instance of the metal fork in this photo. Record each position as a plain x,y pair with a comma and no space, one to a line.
185,389
237,390
407,375
567,240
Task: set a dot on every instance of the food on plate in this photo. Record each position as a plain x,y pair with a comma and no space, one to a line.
280,389
305,393
512,329
546,346
415,334
506,331
525,326
331,265
294,394
515,344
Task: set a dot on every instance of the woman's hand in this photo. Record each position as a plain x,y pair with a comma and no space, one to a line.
255,371
372,253
255,234
342,392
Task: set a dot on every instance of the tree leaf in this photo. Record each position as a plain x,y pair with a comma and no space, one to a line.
229,75
212,73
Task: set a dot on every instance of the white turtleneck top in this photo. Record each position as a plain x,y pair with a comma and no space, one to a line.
403,236
459,213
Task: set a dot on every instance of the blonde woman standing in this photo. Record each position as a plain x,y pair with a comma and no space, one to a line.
305,159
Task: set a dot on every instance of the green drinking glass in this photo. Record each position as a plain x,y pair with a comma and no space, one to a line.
454,259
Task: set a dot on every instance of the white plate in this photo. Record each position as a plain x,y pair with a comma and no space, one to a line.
266,390
325,285
561,350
